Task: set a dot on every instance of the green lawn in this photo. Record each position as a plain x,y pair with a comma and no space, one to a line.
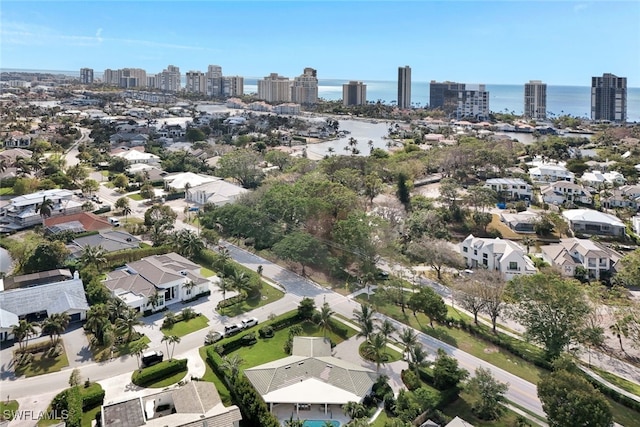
391,354
183,327
11,405
89,416
624,384
210,376
173,379
6,191
268,294
462,409
101,354
135,196
42,364
461,339
623,415
207,272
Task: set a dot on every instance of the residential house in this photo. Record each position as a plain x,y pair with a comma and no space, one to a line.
17,140
78,223
521,222
23,212
194,404
594,257
12,154
39,301
588,221
564,192
505,256
129,139
511,188
109,241
171,131
310,381
218,193
181,181
627,196
164,275
136,156
598,179
550,172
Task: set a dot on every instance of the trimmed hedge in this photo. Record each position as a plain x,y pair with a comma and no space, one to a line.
92,397
102,210
130,255
613,394
74,406
157,372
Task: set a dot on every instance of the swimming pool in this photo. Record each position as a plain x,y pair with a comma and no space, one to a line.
320,423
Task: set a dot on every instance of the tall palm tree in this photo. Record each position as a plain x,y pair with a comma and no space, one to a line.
239,281
173,340
126,211
408,338
386,328
324,320
138,348
55,325
528,242
354,410
153,300
93,255
98,323
22,331
365,320
127,322
223,256
45,208
224,285
189,243
377,346
417,357
188,287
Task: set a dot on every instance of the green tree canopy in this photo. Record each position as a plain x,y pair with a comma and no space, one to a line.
242,165
301,247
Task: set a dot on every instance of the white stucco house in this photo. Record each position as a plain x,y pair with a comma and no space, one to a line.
219,192
179,181
171,276
136,156
505,256
561,192
511,188
626,196
550,172
599,179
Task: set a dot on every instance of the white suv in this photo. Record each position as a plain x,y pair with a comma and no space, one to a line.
247,323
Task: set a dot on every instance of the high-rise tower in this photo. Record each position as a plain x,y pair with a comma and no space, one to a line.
535,100
609,98
404,87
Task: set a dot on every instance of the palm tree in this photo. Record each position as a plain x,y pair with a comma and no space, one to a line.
93,255
22,331
417,357
3,164
324,320
408,338
232,366
528,242
365,320
190,244
377,346
173,340
239,281
45,208
223,256
354,410
153,300
98,324
294,423
126,211
116,307
128,321
386,328
55,325
188,287
224,286
138,348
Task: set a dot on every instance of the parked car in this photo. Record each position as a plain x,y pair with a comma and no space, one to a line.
230,330
247,323
152,357
212,337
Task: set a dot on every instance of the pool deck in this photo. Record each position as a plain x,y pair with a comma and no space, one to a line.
284,411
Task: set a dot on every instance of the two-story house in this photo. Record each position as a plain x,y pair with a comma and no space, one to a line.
171,277
550,172
596,259
598,179
627,196
511,188
505,256
563,192
23,211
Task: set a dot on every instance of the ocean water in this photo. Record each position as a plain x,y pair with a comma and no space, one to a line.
572,100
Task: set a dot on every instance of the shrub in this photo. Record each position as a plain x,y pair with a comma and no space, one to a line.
265,332
231,301
410,379
157,372
92,396
188,313
170,319
249,339
74,408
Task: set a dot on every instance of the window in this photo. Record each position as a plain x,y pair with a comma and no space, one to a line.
465,249
475,252
485,256
485,262
513,265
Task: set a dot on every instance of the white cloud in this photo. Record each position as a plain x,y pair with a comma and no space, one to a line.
99,35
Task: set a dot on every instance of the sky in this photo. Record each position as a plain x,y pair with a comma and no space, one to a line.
493,42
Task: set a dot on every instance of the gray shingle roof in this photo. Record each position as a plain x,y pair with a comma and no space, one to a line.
52,298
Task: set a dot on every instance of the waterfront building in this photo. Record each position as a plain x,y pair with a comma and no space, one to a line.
444,95
196,82
169,79
354,93
404,87
274,88
535,100
214,80
232,86
125,77
459,100
86,76
609,98
305,88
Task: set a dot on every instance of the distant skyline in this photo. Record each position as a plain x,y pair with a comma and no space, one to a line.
501,42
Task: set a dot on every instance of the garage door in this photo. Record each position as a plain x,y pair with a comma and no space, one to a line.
75,317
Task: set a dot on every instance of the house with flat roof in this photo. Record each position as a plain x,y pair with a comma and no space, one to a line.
594,257
310,381
589,221
37,302
510,188
169,276
22,211
195,404
550,172
505,256
218,192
